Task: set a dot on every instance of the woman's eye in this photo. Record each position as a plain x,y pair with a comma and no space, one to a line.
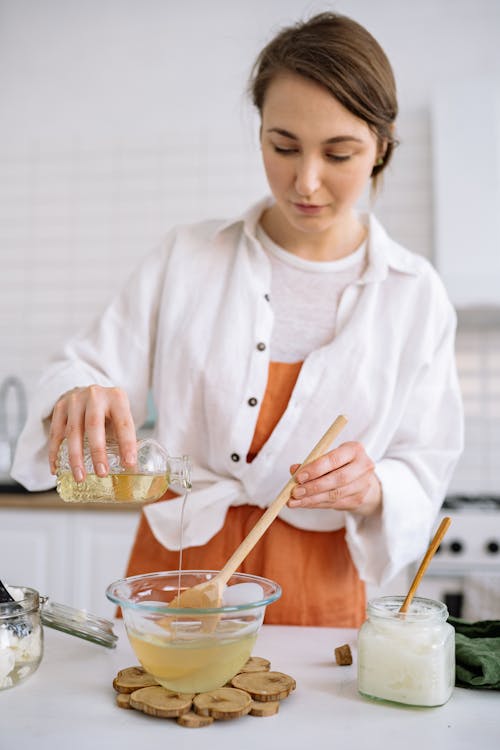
284,151
338,157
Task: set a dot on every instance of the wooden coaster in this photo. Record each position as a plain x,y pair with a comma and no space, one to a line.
223,703
194,721
268,708
265,686
256,664
123,700
158,701
254,691
132,678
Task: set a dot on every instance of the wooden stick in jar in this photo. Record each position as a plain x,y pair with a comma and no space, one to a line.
436,541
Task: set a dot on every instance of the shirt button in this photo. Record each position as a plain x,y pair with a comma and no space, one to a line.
267,297
252,401
235,457
261,346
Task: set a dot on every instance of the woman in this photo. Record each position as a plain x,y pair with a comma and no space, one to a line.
253,334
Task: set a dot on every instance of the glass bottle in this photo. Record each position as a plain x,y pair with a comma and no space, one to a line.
406,657
148,480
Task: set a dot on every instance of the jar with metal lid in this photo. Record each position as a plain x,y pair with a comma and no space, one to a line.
21,635
22,618
406,657
148,480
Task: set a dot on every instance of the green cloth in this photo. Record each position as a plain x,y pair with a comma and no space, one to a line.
477,653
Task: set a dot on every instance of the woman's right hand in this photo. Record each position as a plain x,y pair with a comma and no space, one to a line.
93,411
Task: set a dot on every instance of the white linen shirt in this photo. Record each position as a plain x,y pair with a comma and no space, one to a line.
194,324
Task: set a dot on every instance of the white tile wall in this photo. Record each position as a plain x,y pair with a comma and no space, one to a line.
478,358
74,222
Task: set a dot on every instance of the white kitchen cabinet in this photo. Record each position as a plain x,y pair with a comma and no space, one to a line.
34,549
69,555
466,159
102,543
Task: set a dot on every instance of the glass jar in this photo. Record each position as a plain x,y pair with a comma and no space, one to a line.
406,657
21,630
148,480
21,636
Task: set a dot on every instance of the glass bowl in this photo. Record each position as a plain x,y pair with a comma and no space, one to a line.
21,636
192,650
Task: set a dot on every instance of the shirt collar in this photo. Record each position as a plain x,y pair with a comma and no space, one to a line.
383,253
249,218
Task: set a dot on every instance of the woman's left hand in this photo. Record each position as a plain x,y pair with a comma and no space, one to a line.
343,479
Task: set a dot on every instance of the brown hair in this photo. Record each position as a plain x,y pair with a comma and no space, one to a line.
346,59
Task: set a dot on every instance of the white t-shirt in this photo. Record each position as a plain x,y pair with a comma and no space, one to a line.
305,296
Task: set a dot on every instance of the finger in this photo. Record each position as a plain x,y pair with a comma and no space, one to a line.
124,428
57,432
337,478
75,402
334,479
95,428
347,453
293,468
330,461
347,497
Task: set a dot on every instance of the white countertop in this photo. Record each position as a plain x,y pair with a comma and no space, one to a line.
50,499
70,703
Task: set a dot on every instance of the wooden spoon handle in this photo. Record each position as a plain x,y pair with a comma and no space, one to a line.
272,511
436,541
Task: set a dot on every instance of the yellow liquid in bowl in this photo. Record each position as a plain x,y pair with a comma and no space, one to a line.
192,667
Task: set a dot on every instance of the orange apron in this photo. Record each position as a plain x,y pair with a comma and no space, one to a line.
314,568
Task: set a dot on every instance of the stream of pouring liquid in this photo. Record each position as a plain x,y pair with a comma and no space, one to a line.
181,534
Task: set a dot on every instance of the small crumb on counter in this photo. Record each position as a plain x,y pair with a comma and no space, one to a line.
343,655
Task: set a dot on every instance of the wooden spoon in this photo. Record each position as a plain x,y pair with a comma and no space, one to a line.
436,541
209,594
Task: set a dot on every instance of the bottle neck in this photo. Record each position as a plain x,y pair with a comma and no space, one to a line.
179,472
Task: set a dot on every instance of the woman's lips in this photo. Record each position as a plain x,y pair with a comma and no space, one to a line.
308,208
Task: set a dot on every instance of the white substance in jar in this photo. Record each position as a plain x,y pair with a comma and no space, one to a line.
21,639
407,658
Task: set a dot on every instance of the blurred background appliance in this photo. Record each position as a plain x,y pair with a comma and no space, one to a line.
13,412
465,572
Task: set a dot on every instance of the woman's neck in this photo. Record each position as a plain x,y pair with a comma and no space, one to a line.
340,239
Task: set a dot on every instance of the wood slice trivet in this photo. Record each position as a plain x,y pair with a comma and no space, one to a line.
264,709
223,703
132,678
194,721
256,664
158,701
265,686
255,691
123,700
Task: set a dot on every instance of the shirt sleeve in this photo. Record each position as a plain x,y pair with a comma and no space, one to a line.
415,470
116,351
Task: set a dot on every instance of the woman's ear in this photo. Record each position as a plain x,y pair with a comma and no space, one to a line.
383,145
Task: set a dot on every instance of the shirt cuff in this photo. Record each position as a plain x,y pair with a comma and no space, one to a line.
383,544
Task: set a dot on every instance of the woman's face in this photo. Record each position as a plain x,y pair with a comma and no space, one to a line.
318,156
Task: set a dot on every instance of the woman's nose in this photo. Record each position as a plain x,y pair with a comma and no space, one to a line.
307,177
